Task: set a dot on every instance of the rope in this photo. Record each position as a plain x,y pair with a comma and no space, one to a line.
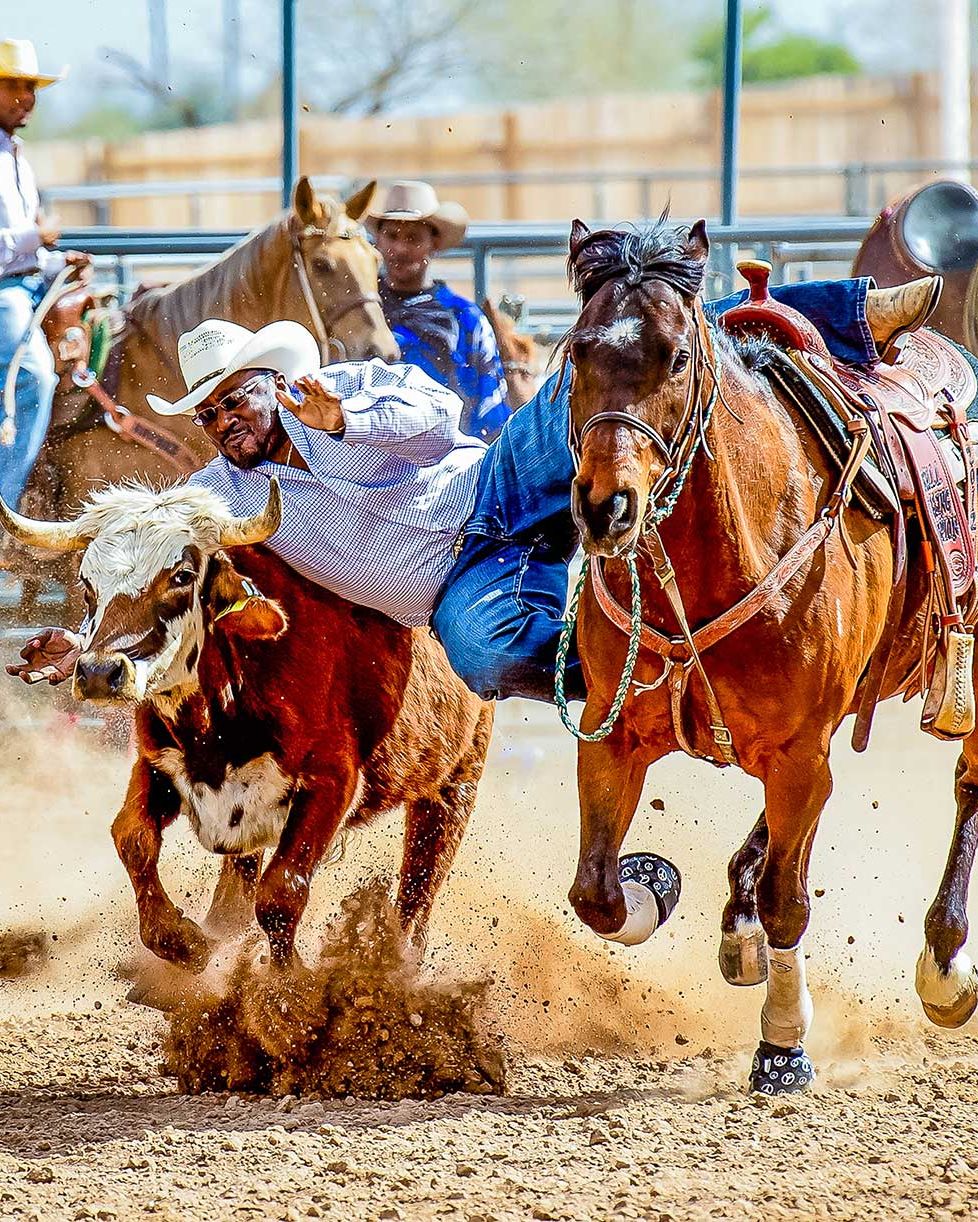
563,648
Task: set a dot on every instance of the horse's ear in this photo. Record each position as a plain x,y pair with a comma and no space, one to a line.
359,201
579,231
698,244
306,204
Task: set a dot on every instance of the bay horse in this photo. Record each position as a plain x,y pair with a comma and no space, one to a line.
673,424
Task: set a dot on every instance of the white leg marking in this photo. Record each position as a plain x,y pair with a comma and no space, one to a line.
642,917
945,991
788,1010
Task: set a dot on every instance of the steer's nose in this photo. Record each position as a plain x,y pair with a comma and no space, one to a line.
100,677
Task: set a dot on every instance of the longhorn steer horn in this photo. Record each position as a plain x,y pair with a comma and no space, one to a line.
239,532
55,536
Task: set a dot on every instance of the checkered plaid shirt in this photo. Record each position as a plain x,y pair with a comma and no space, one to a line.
376,515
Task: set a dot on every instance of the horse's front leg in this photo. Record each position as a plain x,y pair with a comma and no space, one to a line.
743,946
622,901
947,984
797,786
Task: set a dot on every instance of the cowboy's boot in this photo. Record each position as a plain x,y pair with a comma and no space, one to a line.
893,312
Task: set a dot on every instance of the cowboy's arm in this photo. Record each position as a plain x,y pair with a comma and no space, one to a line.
398,408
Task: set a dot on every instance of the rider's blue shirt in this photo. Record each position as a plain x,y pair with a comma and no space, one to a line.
452,341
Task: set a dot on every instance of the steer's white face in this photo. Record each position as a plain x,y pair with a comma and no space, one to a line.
143,574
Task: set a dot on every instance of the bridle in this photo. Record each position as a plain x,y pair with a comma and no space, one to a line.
690,432
323,324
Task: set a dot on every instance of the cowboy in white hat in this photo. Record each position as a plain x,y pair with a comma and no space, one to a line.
27,261
438,330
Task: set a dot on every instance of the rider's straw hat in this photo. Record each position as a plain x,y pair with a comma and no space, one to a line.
216,349
417,201
18,61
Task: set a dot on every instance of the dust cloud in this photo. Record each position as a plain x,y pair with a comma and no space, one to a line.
555,990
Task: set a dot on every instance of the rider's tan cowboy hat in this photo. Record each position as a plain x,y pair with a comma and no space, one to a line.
417,201
214,350
18,61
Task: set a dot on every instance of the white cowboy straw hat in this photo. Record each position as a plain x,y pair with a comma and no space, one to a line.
216,349
18,61
417,201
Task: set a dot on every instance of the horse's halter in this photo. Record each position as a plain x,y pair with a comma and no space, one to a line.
691,430
323,324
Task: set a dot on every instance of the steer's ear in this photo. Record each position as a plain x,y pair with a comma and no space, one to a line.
238,606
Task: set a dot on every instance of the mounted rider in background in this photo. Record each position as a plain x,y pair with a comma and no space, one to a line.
27,265
441,332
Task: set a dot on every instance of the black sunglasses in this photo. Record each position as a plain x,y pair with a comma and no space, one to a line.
232,402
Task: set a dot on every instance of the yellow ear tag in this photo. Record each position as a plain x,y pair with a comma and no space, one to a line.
230,610
251,592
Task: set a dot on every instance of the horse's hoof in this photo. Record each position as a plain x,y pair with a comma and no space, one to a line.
743,955
780,1071
657,875
949,998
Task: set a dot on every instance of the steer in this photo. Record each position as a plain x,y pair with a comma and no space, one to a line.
270,711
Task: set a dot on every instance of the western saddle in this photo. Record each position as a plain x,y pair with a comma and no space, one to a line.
909,414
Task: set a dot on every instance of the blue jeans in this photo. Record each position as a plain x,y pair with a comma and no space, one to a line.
500,610
34,388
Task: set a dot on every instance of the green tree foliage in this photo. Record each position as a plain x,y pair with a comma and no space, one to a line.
769,55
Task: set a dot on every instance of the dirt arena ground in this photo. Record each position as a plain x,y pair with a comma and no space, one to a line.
626,1095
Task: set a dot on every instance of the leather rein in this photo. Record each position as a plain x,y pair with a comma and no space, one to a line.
323,325
681,654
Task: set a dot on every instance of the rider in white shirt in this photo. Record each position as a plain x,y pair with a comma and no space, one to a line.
27,264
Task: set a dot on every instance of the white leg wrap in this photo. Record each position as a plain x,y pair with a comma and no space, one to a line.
642,917
788,1010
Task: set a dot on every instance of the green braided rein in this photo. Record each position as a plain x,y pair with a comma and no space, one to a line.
563,648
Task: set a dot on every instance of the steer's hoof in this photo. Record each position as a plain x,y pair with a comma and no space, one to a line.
656,874
780,1071
743,956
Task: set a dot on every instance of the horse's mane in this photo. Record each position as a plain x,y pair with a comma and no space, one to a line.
167,311
653,250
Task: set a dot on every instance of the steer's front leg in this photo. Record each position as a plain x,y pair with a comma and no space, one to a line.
151,802
316,814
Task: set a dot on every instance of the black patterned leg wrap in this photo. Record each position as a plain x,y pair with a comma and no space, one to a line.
780,1071
660,876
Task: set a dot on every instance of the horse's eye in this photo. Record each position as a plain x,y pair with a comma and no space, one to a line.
182,578
322,264
680,361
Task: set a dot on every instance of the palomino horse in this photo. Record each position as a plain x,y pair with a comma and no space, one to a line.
672,425
312,265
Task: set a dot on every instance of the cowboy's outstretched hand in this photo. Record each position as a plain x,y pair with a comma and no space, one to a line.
50,655
318,408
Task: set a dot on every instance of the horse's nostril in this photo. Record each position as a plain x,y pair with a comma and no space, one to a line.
116,675
617,507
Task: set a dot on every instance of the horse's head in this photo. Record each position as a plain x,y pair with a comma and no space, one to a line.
341,271
637,356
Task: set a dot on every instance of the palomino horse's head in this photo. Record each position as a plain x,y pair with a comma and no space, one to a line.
637,354
339,274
